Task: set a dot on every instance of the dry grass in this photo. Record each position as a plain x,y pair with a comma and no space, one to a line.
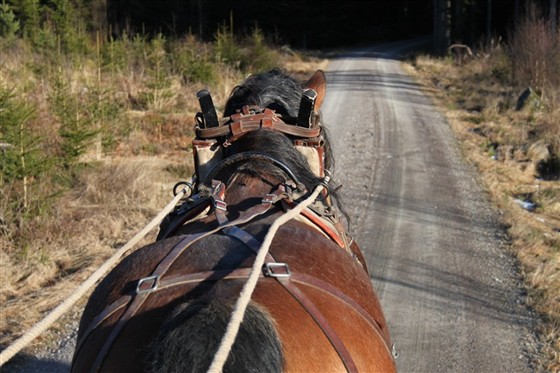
509,147
119,190
112,202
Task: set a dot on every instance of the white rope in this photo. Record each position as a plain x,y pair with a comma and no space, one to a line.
56,313
245,296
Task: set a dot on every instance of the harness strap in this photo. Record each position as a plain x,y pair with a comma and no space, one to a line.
288,283
324,286
105,314
307,304
152,281
322,322
195,209
331,230
240,124
165,283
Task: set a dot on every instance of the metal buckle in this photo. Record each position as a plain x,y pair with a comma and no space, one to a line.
153,286
394,351
270,267
220,205
270,198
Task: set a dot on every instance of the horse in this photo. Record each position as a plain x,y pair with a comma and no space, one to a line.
166,306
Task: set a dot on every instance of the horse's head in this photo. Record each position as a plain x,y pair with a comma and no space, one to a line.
271,130
277,91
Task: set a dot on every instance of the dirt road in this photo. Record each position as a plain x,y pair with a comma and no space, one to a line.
449,291
433,245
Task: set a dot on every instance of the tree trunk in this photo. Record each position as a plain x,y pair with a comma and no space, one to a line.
553,16
442,27
488,19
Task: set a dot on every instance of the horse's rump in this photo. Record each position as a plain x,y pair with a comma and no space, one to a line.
315,263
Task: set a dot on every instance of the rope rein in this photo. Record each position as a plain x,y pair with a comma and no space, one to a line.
22,342
245,296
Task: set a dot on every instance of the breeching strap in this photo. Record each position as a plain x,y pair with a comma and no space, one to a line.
62,308
245,296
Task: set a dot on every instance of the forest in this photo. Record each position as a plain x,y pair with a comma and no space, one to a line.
97,99
300,24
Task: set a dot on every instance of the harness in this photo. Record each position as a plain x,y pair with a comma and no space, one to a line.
213,136
209,200
130,304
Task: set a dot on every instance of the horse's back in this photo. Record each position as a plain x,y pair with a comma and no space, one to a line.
336,283
326,274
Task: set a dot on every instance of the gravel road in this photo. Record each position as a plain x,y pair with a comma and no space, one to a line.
450,293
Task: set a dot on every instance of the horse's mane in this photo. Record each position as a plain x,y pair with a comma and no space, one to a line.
273,89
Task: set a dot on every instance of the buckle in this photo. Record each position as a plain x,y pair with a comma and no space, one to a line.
270,198
220,205
153,286
275,270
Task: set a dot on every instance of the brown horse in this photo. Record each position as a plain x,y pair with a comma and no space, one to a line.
166,306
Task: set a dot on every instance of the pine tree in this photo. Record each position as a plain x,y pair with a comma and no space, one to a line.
23,159
76,124
9,25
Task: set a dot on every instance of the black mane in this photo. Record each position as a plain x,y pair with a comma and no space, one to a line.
273,89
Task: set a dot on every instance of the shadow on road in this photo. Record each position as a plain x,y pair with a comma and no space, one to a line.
24,363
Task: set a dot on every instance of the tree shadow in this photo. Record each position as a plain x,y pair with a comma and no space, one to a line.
24,363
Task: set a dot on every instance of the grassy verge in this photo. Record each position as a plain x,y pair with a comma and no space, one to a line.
516,148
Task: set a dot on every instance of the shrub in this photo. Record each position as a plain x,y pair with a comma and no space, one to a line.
159,76
191,60
23,161
9,25
226,49
259,57
535,54
76,121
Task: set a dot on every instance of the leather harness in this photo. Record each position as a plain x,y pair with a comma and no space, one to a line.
251,118
132,303
197,206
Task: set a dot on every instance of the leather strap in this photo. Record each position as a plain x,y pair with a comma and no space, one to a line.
154,283
105,314
322,322
307,304
288,283
166,263
320,223
326,287
240,124
195,209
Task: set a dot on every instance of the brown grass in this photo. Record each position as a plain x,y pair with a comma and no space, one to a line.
507,147
117,193
112,202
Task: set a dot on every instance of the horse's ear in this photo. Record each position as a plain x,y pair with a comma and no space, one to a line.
318,83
